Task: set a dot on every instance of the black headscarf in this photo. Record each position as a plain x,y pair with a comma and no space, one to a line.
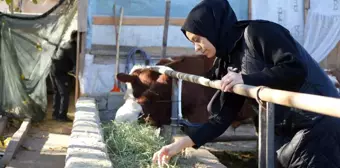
214,20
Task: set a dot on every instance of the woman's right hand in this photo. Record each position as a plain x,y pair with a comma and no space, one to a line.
163,156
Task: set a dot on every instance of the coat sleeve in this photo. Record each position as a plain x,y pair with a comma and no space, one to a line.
274,45
224,107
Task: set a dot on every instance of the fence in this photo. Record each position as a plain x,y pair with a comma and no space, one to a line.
267,98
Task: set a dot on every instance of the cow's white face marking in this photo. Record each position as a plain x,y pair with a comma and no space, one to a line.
129,90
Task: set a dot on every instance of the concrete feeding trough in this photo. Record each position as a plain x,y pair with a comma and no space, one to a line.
108,104
87,146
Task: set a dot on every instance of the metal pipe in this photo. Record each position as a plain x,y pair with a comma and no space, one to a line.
262,137
166,27
270,123
319,104
179,85
174,107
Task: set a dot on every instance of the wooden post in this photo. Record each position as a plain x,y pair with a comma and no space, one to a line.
249,10
3,123
306,8
166,27
16,142
77,67
81,42
12,7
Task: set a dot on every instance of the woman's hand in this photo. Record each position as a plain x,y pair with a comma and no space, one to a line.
229,80
163,156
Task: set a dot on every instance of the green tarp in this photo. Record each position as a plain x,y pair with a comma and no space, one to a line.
27,44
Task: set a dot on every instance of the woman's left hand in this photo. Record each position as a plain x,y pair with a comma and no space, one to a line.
229,80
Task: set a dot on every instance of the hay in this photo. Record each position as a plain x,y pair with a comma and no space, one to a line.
133,145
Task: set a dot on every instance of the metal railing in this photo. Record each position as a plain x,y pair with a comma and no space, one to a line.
267,98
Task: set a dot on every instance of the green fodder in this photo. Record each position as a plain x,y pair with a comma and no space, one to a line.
132,145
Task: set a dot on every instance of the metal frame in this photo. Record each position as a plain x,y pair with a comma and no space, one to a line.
266,151
175,107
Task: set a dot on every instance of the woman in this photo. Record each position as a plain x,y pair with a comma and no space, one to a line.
263,54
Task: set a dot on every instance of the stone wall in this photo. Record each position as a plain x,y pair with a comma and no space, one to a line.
87,148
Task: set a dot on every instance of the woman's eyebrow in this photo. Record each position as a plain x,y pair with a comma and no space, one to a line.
195,38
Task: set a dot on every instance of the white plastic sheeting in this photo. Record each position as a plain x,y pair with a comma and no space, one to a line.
288,13
322,30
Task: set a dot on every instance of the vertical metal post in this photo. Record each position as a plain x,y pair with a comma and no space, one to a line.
270,148
166,27
266,149
262,137
180,115
174,106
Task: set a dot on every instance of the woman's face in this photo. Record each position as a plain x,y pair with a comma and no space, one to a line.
202,44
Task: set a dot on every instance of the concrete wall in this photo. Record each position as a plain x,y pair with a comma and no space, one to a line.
87,148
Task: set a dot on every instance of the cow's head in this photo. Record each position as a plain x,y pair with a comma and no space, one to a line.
152,91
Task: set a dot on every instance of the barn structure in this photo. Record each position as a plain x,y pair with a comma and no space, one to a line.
312,23
146,26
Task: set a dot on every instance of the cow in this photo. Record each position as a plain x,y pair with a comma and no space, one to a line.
152,91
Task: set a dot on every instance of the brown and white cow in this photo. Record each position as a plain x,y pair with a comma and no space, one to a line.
152,91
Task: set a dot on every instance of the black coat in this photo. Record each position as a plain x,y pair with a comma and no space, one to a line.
267,55
65,58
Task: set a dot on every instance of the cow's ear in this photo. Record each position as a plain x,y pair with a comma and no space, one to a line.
126,78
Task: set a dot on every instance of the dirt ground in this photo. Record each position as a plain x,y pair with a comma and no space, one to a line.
46,142
53,126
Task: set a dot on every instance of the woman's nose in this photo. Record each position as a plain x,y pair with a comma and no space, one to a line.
197,48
